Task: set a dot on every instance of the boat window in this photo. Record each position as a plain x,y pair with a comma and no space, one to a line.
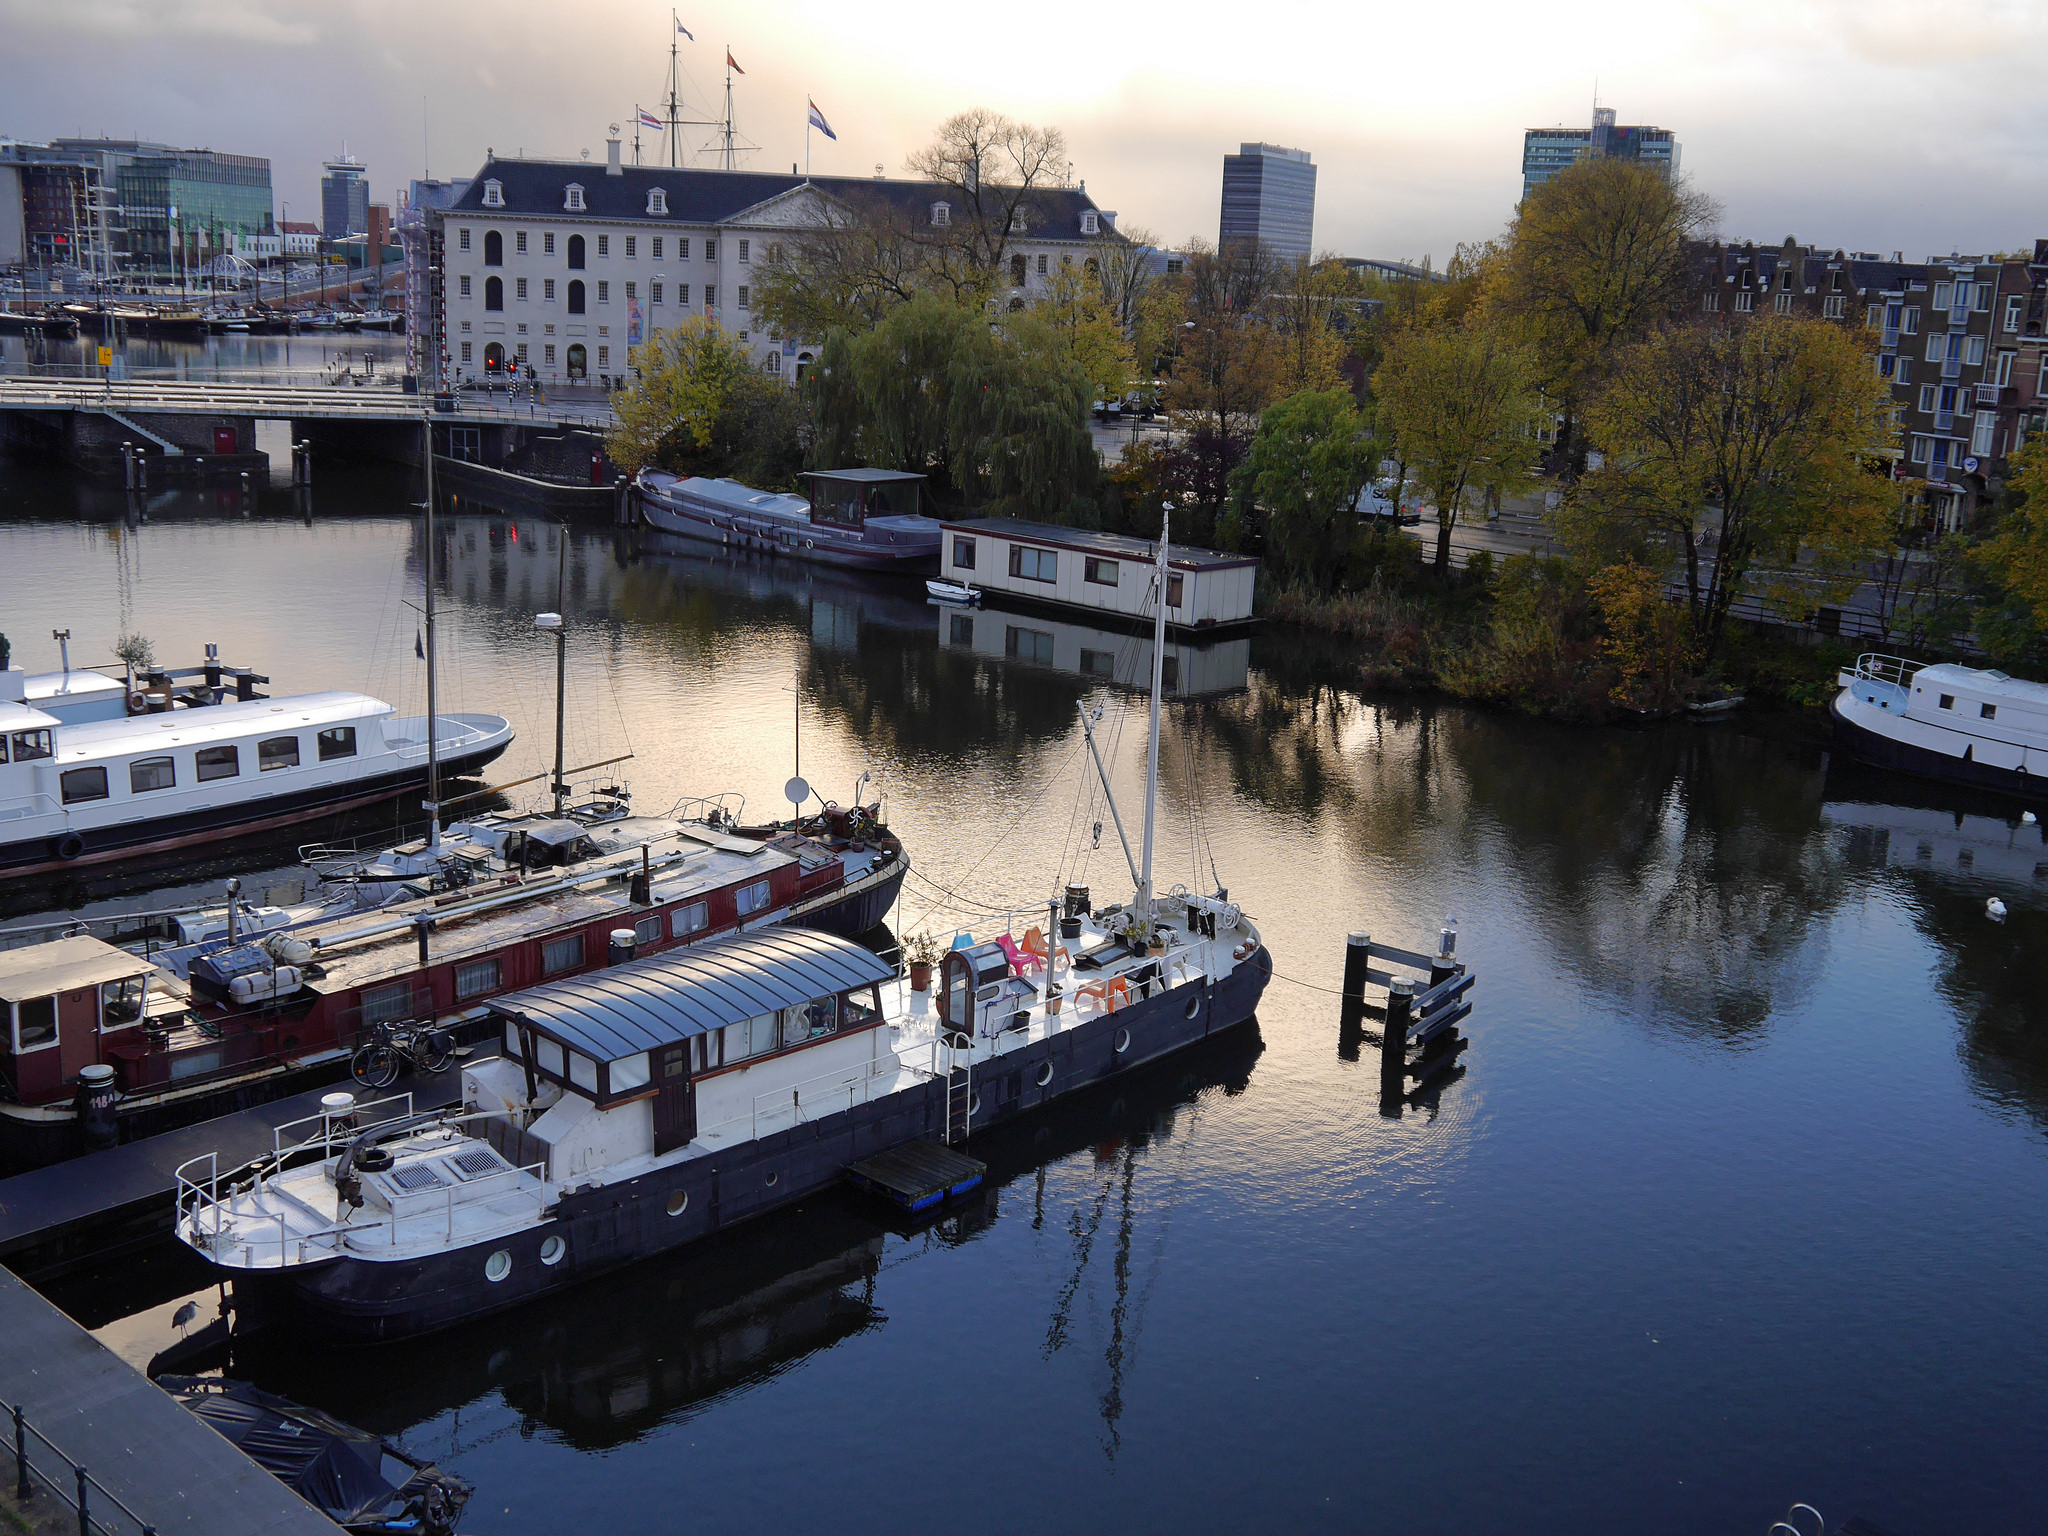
337,741
1948,701
694,918
629,1072
1101,572
1173,586
476,978
35,1023
547,1055
857,1010
761,1035
121,1001
708,1051
752,898
1034,564
216,763
147,773
277,752
30,745
1987,711
563,954
648,930
808,1021
512,1051
82,784
387,1004
963,554
583,1072
733,1042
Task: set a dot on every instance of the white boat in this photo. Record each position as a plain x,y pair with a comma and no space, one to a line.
863,518
1963,724
674,1095
957,592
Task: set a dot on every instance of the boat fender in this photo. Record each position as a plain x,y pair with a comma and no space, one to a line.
70,846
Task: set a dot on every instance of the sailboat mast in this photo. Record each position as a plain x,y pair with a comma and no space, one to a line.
1145,901
433,802
674,82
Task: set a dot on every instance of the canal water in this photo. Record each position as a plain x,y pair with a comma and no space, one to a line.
1736,1202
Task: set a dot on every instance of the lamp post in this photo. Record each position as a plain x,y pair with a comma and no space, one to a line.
284,242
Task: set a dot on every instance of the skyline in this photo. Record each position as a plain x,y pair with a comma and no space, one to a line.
1870,126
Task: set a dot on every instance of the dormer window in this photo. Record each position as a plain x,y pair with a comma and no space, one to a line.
942,215
494,194
657,204
573,202
1090,224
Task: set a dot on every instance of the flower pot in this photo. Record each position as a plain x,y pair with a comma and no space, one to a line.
920,976
1156,948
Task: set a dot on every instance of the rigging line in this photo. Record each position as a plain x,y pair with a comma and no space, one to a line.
1057,774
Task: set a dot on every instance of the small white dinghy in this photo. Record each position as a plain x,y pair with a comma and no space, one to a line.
954,592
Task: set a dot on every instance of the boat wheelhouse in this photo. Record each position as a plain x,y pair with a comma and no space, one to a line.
866,518
1964,724
1105,574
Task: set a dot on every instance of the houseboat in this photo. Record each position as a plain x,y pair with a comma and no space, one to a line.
869,519
1073,570
92,770
263,1015
1192,669
1962,724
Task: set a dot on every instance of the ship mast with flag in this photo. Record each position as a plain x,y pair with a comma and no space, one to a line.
729,146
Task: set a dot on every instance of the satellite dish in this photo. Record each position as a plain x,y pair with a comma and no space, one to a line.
796,791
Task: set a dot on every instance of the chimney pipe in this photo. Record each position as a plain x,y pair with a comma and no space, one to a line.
611,158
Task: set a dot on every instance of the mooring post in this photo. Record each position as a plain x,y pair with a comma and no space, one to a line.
1445,965
1351,1004
128,464
1394,1046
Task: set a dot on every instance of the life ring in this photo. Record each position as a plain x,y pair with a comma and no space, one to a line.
70,846
137,703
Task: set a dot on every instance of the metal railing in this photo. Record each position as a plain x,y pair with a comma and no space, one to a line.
98,1508
1878,668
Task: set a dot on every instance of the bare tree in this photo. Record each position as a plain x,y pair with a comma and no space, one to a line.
994,166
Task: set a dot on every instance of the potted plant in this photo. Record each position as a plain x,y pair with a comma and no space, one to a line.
922,952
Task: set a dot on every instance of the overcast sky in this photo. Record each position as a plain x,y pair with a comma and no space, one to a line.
1869,124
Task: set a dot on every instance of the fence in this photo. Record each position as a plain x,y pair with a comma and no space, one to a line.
39,1460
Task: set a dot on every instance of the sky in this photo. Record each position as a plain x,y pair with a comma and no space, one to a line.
1867,124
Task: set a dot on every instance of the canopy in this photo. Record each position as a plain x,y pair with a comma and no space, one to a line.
64,965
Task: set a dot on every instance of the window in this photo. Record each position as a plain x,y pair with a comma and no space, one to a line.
963,554
1941,293
1987,711
743,295
743,338
1017,271
494,293
774,362
387,1004
684,921
494,195
604,245
547,289
522,352
1091,224
572,202
962,632
1173,588
683,248
942,215
1980,438
1033,645
519,241
647,930
654,293
1101,572
82,784
476,978
604,357
683,294
520,291
1983,298
30,745
1919,450
2005,362
1175,265
1885,362
1912,325
1973,351
216,763
547,243
657,207
1784,303
466,355
710,250
462,239
1745,301
1948,701
465,285
563,954
576,253
1711,303
575,296
2015,310
604,293
632,247
632,292
1833,307
547,354
1927,398
494,248
148,773
1034,564
751,898
630,1072
1904,372
35,1023
340,740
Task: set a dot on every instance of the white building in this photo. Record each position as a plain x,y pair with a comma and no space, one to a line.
563,267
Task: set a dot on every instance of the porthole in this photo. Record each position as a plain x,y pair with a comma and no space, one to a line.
497,1266
1194,1005
552,1250
1122,1042
1044,1073
774,1179
678,1202
974,1106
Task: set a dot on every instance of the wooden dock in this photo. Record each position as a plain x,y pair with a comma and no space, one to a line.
917,1174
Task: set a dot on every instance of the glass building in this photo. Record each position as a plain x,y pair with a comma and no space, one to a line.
214,194
1269,198
344,200
1546,151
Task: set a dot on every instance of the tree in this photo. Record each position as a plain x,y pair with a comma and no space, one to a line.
1079,321
1458,405
1310,456
700,406
1733,441
1228,368
994,167
2016,555
1303,311
1595,257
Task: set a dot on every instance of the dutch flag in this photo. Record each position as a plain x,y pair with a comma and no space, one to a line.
818,122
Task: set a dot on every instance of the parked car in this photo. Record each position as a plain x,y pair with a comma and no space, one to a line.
1376,505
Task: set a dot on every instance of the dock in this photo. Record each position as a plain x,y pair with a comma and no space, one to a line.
105,1204
138,1444
917,1174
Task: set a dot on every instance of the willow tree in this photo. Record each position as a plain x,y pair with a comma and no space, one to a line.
1312,453
1744,446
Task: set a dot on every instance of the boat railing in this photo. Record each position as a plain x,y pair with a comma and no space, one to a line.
1875,667
333,1130
726,807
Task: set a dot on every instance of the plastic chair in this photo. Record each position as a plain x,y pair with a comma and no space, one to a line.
1034,944
1019,961
1108,995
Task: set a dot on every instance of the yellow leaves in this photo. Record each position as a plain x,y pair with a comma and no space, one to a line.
1644,636
689,373
2017,555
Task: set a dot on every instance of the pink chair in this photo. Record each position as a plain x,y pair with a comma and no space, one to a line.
1019,961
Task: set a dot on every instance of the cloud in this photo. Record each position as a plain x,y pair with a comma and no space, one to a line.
247,21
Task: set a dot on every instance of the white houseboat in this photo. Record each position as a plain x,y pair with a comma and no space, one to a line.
1191,669
865,518
1945,722
1107,574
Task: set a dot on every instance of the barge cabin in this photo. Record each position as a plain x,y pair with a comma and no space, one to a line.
1100,573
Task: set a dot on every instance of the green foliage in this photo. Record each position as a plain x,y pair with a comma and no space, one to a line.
701,407
1307,461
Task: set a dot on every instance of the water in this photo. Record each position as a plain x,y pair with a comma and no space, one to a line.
235,358
1737,1201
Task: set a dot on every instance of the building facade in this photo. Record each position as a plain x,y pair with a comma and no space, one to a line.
181,208
564,267
1269,199
1546,151
1958,338
344,199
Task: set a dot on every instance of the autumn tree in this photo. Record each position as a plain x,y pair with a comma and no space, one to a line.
1736,442
1595,258
1312,452
700,406
1080,322
993,169
1304,313
1228,367
1458,405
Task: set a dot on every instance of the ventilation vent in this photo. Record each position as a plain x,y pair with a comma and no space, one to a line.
416,1176
476,1162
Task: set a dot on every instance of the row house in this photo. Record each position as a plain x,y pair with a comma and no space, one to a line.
1958,338
562,268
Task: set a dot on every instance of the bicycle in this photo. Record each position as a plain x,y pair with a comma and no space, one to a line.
377,1061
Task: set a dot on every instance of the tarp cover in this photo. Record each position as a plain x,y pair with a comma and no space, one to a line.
334,1466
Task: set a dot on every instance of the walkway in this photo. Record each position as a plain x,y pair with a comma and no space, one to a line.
339,402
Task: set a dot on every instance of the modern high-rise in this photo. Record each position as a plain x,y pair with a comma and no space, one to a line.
1269,199
1546,151
344,199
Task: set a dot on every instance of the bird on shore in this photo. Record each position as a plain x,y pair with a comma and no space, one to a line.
1995,910
184,1316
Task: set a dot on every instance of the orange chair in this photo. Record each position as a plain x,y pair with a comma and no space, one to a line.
1033,944
1109,995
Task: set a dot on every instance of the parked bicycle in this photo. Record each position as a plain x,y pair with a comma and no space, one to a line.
378,1060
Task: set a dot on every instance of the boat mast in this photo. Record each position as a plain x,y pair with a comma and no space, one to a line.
561,664
1145,902
433,800
674,81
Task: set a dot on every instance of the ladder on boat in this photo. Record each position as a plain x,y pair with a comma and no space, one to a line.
959,1094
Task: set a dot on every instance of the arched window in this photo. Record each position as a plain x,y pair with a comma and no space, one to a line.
494,248
1091,266
575,298
803,366
575,253
494,357
579,360
1017,271
494,293
1016,306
